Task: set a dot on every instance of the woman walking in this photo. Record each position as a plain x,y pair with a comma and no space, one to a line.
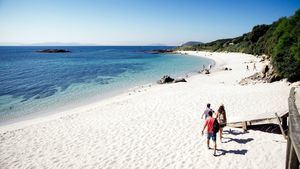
221,116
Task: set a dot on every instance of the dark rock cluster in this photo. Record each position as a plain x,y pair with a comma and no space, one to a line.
266,75
158,51
204,71
168,79
52,51
226,68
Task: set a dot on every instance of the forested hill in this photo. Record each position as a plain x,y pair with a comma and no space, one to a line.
280,41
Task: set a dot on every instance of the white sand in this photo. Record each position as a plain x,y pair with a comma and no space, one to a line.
156,127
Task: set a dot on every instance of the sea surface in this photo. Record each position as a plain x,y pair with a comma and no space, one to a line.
34,83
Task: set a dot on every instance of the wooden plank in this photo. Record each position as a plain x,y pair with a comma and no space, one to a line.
253,122
264,121
294,123
280,126
294,129
235,124
293,151
271,120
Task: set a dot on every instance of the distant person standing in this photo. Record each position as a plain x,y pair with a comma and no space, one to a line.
222,119
247,67
254,66
205,113
209,123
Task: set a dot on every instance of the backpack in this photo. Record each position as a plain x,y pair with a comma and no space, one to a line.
216,126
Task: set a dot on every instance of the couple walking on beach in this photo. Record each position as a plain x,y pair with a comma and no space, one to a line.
214,122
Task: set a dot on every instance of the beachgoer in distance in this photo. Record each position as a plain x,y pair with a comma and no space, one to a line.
210,133
247,67
254,67
205,113
222,119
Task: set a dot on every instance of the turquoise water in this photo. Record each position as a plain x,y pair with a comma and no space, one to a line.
34,83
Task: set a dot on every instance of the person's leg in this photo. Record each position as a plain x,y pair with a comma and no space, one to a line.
221,130
214,138
208,138
208,144
215,147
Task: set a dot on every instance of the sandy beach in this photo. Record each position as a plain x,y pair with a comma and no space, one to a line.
157,126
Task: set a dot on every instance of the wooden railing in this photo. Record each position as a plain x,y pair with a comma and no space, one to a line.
293,143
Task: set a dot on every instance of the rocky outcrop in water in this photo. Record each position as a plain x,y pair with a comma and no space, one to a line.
180,79
165,79
158,51
52,51
168,79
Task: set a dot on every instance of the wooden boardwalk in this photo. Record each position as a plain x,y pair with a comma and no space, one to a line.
279,119
293,144
292,119
268,120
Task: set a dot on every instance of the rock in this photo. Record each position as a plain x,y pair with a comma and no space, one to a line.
266,57
265,69
53,51
165,79
263,58
273,78
206,71
180,79
267,75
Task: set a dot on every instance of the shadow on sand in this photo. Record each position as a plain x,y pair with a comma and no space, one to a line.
221,152
240,141
233,132
224,152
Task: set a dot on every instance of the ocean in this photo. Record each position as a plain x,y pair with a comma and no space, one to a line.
33,84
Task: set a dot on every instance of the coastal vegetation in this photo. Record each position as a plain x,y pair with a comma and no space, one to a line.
190,43
279,40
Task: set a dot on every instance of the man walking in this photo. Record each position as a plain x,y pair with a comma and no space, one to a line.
209,123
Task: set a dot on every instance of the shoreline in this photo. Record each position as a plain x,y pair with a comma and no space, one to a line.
85,105
92,101
158,126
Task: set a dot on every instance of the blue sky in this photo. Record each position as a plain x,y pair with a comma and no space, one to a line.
134,22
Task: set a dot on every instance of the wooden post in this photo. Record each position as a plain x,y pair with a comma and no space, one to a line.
245,126
279,123
288,148
293,159
284,122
